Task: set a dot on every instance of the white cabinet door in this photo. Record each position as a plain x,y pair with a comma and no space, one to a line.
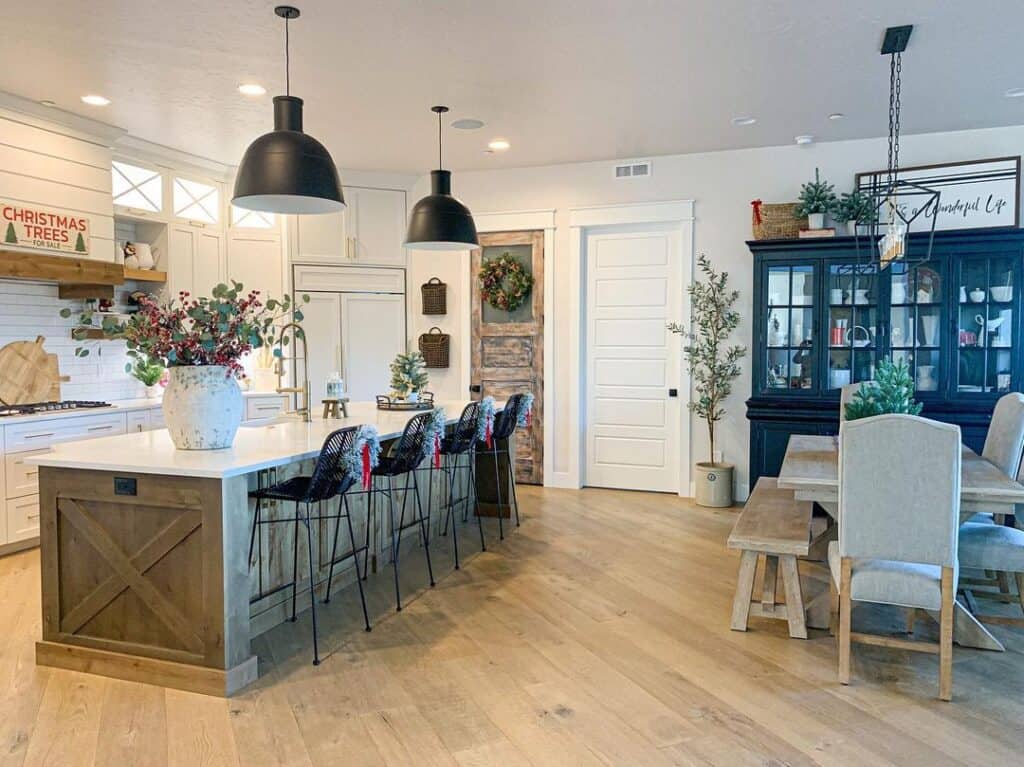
321,238
322,326
373,332
376,226
254,259
22,518
196,260
137,420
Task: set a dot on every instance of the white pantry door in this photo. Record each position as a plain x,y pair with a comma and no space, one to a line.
633,427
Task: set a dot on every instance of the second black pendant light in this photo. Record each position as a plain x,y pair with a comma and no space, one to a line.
440,221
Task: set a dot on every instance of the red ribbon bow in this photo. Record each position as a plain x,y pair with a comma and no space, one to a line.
437,452
488,434
757,210
529,418
366,466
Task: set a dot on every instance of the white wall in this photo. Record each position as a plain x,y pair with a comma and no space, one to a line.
450,268
722,184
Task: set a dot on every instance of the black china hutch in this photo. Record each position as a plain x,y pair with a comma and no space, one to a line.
824,316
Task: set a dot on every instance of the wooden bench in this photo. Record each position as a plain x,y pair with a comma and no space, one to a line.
775,525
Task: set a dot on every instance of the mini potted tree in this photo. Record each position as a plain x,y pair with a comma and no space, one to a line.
713,365
816,199
892,391
855,208
409,376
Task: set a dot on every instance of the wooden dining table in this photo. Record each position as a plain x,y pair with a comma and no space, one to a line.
811,469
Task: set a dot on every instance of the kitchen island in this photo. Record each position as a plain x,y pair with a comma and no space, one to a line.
144,549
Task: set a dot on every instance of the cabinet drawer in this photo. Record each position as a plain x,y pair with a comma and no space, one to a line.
37,434
22,477
23,518
156,419
137,420
263,407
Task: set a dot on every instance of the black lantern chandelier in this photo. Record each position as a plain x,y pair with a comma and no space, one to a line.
286,170
440,221
898,204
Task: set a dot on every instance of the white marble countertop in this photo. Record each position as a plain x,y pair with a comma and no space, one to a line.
118,405
256,447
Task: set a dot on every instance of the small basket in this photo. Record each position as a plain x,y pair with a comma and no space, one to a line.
435,299
778,221
434,346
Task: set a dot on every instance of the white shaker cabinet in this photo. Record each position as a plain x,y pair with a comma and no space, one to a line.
322,326
196,259
371,231
254,259
372,333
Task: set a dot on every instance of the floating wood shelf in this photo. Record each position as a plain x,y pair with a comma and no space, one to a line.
64,269
145,275
89,334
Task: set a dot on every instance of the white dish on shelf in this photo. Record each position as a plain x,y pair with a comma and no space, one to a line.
1001,293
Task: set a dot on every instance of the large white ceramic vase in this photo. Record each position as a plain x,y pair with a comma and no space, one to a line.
202,407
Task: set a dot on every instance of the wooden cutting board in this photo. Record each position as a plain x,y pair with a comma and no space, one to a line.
28,373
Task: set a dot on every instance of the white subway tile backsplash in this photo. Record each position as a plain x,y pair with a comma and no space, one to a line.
30,309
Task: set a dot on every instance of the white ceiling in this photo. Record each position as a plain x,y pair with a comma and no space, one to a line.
563,80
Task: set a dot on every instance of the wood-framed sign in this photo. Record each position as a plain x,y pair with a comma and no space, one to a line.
973,194
29,226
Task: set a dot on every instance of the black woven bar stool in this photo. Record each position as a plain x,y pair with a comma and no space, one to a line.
329,480
461,442
505,423
405,457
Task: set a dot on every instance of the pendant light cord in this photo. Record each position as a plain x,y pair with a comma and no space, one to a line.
440,161
287,61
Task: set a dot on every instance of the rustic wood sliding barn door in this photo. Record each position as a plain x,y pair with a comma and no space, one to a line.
508,347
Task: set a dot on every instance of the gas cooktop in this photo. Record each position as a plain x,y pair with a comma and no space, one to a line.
47,407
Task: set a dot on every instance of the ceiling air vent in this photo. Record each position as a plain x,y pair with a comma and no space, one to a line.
633,169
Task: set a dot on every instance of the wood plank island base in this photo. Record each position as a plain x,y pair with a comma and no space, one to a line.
145,550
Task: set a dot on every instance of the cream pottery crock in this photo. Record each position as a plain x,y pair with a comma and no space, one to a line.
202,407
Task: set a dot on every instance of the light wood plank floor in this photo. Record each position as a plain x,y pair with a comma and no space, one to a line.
595,634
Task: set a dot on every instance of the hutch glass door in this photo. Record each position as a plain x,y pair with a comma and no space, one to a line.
853,298
789,328
986,342
915,321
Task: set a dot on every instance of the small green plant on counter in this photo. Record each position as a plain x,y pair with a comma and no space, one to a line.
892,391
816,197
409,374
146,373
856,206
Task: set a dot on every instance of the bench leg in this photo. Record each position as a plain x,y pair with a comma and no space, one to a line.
794,597
744,590
769,584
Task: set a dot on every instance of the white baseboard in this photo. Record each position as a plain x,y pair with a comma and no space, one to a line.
560,479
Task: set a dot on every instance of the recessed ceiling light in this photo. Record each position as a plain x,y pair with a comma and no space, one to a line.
836,116
95,100
743,120
499,145
1014,93
48,103
468,123
804,139
251,89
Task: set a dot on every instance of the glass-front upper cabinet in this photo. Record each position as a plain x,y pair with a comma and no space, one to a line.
915,320
789,328
986,345
853,294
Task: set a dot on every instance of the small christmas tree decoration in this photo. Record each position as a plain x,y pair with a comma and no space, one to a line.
816,197
485,422
856,206
892,391
80,244
409,374
433,434
11,237
364,455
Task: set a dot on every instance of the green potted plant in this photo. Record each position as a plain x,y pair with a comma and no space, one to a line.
713,365
816,199
892,391
855,208
147,373
409,376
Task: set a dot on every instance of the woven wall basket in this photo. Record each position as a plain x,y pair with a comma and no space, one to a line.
779,221
434,346
435,297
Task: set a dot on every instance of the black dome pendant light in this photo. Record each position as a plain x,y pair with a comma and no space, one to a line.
286,170
439,221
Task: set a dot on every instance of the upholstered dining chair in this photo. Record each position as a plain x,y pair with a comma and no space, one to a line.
899,507
1004,443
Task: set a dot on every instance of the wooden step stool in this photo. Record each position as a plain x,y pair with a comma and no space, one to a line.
775,525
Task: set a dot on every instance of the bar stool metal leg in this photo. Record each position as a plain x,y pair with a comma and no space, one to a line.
355,554
423,527
497,487
476,498
312,582
295,561
334,554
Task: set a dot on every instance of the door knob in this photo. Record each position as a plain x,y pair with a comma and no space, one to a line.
476,388
673,392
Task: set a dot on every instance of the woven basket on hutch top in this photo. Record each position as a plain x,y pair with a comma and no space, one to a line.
776,221
434,297
434,346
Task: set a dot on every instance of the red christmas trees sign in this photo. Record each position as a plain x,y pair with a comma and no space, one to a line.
43,229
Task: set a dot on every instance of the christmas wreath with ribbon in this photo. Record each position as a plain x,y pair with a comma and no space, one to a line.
504,282
363,456
485,422
433,434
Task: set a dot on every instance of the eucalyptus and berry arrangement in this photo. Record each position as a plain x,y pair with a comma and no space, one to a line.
190,331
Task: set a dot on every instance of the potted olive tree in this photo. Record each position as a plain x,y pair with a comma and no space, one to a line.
713,365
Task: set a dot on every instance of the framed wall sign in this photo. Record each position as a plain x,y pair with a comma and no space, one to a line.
27,226
975,194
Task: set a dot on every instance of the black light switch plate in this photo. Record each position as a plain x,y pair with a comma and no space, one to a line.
126,486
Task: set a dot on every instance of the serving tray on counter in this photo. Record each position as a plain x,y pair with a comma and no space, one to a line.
426,402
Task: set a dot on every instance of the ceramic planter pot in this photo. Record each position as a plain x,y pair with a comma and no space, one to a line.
202,407
713,484
152,392
851,227
816,221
